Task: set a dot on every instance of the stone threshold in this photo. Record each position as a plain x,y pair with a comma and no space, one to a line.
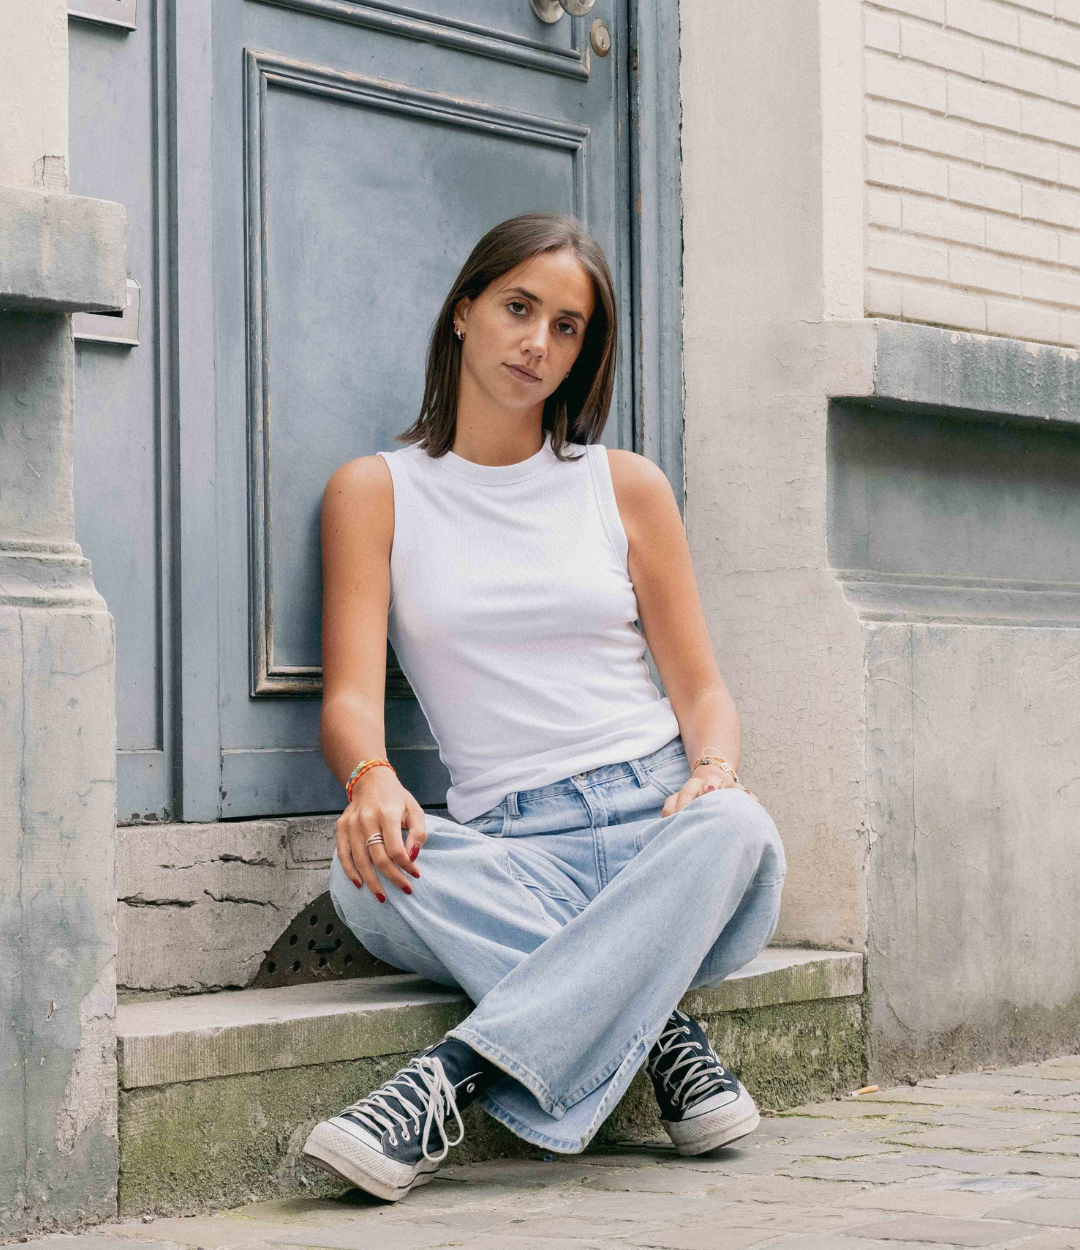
207,1036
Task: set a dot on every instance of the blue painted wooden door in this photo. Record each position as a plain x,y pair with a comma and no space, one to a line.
359,156
328,167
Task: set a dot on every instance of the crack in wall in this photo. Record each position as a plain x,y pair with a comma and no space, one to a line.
234,898
259,861
137,900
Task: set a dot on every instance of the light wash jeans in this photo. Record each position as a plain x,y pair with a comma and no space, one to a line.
576,916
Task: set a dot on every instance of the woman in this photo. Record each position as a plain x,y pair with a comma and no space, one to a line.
587,874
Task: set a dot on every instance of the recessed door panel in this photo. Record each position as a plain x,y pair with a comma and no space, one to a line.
346,315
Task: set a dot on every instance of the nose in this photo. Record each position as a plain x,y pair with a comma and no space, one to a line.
536,339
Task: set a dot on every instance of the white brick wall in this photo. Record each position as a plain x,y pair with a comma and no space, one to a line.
973,165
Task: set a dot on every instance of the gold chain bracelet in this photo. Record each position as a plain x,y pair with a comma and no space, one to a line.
720,763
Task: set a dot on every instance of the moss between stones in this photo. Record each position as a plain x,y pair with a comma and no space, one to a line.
194,1146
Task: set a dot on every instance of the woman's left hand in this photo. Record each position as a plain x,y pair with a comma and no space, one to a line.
696,786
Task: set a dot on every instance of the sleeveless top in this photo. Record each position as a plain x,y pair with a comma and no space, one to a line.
512,616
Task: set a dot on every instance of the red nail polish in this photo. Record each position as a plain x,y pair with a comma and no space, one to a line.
414,852
359,885
381,898
407,889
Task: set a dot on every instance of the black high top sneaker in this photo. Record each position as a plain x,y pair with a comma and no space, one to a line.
702,1104
396,1139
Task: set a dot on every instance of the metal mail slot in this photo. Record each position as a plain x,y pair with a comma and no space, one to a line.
121,328
108,12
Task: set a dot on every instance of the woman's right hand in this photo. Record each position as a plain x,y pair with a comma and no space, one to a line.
380,804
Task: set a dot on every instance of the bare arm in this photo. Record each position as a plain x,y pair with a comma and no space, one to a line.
673,620
357,537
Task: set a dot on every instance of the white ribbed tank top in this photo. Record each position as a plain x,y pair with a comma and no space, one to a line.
512,616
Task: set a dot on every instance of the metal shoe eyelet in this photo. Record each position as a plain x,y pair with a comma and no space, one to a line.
469,1089
404,1134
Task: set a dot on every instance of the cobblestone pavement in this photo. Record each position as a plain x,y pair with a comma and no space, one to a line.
990,1158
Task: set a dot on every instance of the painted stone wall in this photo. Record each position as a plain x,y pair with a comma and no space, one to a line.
885,516
58,1095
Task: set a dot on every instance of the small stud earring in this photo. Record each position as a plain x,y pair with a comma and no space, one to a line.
460,333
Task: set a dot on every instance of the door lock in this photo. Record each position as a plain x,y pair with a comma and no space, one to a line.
552,10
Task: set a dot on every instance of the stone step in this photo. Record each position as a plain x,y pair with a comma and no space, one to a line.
218,1091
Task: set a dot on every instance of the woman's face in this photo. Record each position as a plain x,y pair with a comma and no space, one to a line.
524,331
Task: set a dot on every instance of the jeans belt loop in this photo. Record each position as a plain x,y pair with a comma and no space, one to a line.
512,809
639,772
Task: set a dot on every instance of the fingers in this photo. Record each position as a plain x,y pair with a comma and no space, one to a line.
345,854
694,788
416,824
371,846
362,859
350,836
389,855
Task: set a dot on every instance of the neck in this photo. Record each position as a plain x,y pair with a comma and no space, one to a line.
488,433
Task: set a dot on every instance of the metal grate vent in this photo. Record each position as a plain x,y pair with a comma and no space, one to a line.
318,947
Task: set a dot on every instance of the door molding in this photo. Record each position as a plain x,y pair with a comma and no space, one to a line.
572,62
656,235
268,678
198,728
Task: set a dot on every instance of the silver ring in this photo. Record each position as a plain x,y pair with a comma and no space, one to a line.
375,837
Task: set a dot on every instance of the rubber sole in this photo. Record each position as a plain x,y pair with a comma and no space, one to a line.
337,1152
719,1128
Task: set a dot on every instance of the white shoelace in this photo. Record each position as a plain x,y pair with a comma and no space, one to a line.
428,1078
700,1072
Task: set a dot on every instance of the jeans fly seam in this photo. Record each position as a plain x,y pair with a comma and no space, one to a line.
600,855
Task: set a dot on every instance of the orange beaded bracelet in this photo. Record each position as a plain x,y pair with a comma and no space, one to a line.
362,768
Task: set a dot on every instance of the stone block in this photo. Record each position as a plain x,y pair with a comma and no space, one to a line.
1053,1212
975,1138
214,1035
61,253
218,1091
201,904
58,1137
940,1229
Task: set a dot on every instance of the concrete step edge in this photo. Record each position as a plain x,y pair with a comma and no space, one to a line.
203,1036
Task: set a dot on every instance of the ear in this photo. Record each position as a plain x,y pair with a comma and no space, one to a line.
461,310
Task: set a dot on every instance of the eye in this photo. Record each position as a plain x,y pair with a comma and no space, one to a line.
516,303
571,328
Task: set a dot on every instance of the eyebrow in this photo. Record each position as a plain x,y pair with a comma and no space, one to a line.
563,312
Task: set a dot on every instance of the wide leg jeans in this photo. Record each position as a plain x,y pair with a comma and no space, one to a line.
575,917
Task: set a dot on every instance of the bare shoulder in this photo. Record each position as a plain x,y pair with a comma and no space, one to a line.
364,481
639,484
361,493
365,473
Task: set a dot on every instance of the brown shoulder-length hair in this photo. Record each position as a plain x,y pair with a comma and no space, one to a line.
577,411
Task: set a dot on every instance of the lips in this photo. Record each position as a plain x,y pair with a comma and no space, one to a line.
526,375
